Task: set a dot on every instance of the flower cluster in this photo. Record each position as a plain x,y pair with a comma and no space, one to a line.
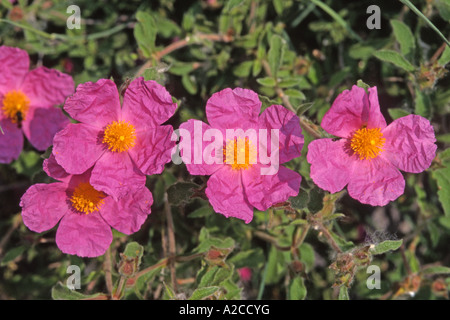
100,160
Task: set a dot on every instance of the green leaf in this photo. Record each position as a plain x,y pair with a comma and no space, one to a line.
300,201
181,192
202,293
276,53
445,57
293,93
396,113
362,84
442,177
422,104
267,81
201,212
244,69
12,254
343,293
395,58
145,33
307,256
386,246
436,270
404,37
169,291
62,292
28,163
189,84
443,7
297,289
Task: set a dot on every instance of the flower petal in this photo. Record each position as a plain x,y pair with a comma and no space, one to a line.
84,235
227,196
116,175
331,165
351,110
15,63
147,104
375,182
54,170
238,108
290,133
47,87
43,205
129,213
263,191
77,147
410,143
153,149
11,141
41,125
96,104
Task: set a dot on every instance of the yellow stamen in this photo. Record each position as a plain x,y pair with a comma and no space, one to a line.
367,143
15,105
233,155
86,199
119,136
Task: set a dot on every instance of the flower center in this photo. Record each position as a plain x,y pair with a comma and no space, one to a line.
15,105
119,136
367,143
86,199
239,153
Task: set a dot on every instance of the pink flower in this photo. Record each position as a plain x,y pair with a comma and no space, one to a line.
245,274
369,154
27,103
121,143
85,215
236,187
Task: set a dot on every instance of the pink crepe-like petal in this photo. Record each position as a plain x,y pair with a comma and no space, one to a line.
43,205
96,104
77,147
227,196
15,63
198,163
41,125
153,149
11,141
129,213
116,175
410,143
47,87
290,133
375,182
331,165
263,191
84,235
54,170
351,111
147,104
237,108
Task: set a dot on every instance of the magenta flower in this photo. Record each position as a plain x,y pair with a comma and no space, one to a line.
241,179
122,144
369,154
27,103
85,215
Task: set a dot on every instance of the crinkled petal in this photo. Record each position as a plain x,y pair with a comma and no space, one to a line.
116,175
375,182
46,88
11,141
15,63
237,108
96,104
84,235
289,131
410,143
227,196
331,164
352,110
263,191
41,125
54,170
129,213
197,161
77,147
43,205
153,149
147,104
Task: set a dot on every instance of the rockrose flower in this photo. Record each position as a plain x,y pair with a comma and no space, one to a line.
121,143
27,103
243,159
85,215
369,154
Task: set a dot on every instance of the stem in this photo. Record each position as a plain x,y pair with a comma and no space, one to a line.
328,236
118,293
107,268
172,244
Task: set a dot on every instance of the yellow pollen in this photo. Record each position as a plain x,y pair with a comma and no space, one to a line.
367,143
86,199
234,156
15,102
119,136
